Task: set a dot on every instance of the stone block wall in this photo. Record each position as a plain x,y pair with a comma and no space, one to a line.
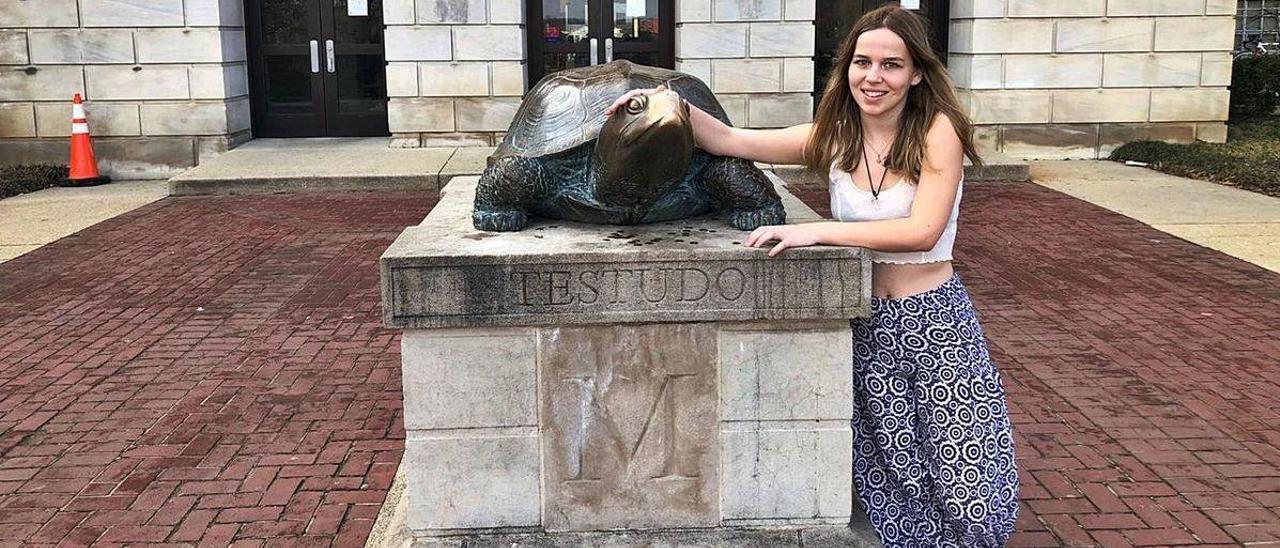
1053,79
757,56
164,81
454,70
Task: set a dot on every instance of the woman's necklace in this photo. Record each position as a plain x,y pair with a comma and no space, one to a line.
875,189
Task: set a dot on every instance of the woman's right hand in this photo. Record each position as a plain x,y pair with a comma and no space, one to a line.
633,93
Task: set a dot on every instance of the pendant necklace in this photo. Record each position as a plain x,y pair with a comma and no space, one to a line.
866,162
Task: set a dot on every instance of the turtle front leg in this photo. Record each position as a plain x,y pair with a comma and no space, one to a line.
508,189
744,191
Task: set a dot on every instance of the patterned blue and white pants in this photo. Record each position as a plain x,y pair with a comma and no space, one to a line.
932,446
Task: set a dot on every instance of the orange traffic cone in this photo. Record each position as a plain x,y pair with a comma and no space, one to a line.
84,167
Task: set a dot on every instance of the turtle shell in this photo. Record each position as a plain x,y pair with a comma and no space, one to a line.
566,109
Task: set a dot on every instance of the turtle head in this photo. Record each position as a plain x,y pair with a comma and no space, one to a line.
643,149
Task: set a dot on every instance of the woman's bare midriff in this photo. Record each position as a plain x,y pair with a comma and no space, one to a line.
895,281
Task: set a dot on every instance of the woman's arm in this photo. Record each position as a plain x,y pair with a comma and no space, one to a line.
775,146
935,196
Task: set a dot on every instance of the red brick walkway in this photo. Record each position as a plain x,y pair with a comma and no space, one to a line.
209,370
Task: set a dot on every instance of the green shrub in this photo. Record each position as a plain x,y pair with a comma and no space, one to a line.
1255,86
1249,164
19,179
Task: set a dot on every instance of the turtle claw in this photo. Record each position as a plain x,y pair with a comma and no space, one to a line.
499,221
752,219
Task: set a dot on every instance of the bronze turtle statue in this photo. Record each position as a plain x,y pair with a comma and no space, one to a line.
563,158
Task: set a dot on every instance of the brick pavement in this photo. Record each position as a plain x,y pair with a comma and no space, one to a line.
213,370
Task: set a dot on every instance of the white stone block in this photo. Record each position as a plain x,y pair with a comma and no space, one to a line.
987,138
204,45
699,68
711,41
1008,107
1058,8
797,74
1189,105
507,79
1214,132
747,10
46,83
38,13
13,47
976,71
412,115
81,46
785,375
984,72
693,11
776,473
1151,70
131,13
1051,142
418,43
970,9
1002,36
137,82
506,12
105,119
1104,35
453,79
215,13
1156,7
219,81
781,110
486,113
1220,7
402,79
398,12
781,40
798,10
1106,105
19,120
475,482
192,118
469,378
1215,69
1053,71
735,107
746,75
452,11
496,43
1195,33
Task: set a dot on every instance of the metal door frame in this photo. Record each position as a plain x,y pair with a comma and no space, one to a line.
325,120
599,24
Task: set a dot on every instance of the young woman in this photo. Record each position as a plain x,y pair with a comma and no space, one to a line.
933,449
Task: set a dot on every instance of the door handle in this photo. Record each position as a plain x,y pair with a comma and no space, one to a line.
328,55
595,57
315,57
608,50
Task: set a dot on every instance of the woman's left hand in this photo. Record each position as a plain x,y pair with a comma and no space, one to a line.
787,236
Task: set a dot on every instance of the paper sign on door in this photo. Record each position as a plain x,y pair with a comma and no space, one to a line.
910,4
358,8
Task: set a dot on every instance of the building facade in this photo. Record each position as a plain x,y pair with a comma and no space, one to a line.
168,83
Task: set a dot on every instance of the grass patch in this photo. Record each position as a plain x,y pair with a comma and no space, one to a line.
19,179
1250,159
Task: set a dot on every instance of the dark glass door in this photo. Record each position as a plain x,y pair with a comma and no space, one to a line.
834,18
577,33
317,68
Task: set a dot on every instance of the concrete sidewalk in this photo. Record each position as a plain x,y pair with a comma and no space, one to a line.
1240,223
29,221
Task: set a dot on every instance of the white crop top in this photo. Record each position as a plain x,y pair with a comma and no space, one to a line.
850,203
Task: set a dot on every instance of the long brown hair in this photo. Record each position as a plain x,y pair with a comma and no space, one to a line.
837,129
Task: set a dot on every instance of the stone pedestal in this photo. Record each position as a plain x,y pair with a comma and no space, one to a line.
578,385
